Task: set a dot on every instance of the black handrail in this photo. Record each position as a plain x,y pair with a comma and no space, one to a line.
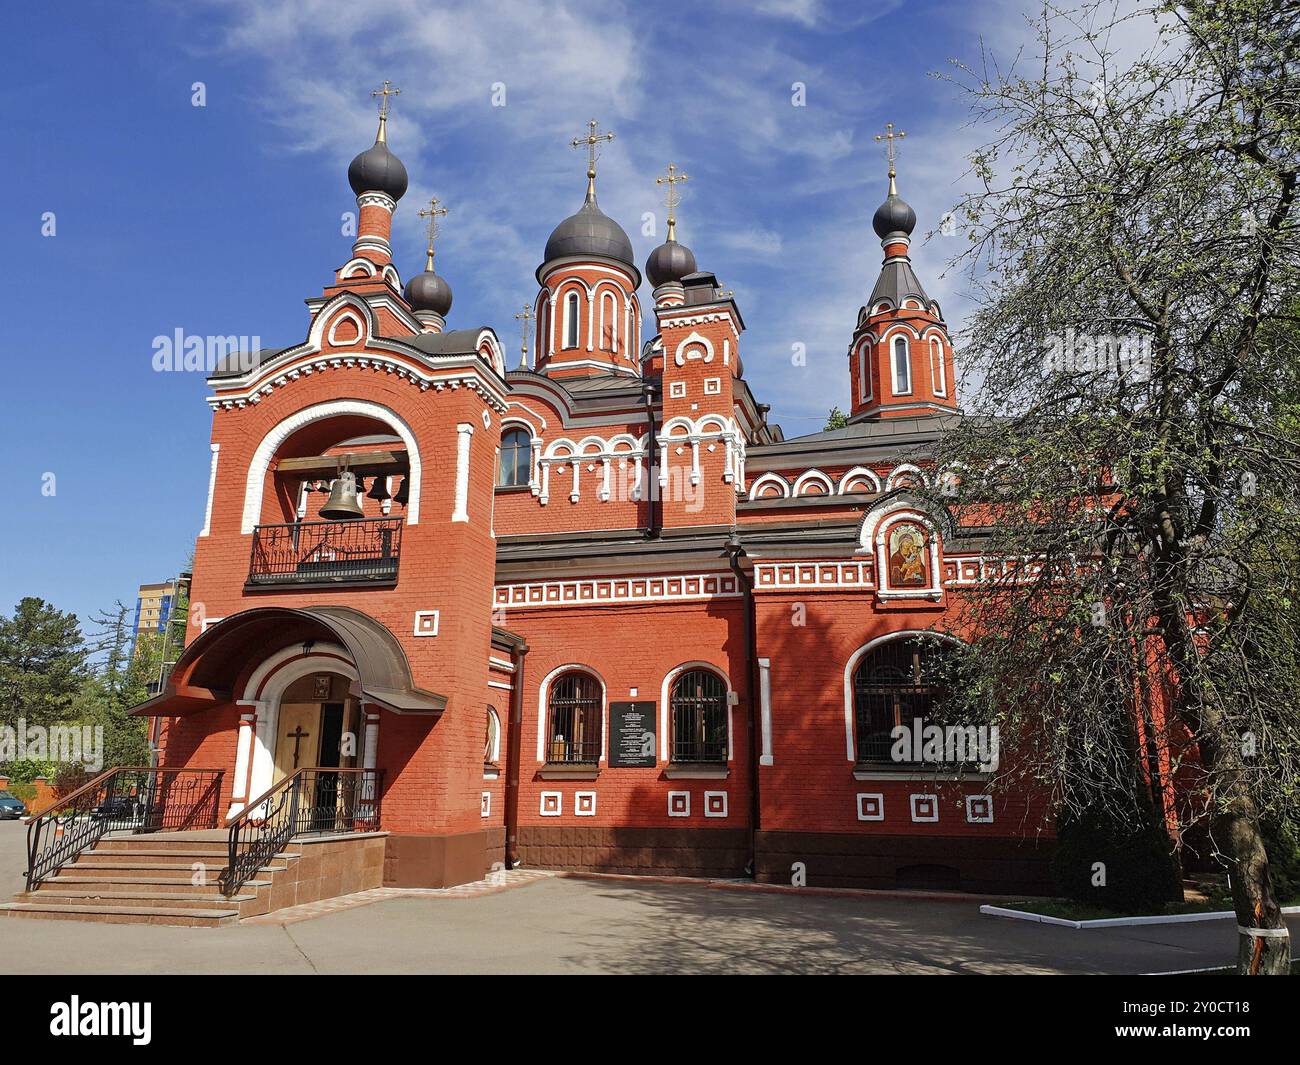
320,800
367,549
124,799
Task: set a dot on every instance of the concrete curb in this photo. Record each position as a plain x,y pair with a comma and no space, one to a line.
1116,922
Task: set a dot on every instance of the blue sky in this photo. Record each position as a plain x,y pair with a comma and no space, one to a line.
221,219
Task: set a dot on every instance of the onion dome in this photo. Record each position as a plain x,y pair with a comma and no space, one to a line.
428,291
377,169
894,217
669,262
589,232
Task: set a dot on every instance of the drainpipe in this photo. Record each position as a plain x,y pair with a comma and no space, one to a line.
513,742
652,456
735,552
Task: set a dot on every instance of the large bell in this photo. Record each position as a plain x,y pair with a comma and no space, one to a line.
403,493
343,504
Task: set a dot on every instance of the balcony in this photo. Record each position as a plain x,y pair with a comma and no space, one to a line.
325,553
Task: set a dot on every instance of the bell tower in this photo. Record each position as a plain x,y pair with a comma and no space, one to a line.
900,358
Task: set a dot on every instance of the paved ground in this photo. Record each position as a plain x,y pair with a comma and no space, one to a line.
560,925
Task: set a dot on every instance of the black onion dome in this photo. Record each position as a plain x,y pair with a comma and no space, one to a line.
669,262
894,216
378,170
589,232
429,292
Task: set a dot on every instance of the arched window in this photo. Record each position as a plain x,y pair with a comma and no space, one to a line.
895,684
902,366
571,320
864,370
608,322
938,373
573,718
516,466
699,717
492,740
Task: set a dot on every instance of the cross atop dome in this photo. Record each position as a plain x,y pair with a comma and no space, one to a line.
590,141
432,212
672,197
889,136
384,92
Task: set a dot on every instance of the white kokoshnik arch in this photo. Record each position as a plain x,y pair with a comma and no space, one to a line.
261,462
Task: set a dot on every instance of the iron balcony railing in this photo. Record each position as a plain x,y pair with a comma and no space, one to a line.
120,800
313,552
319,801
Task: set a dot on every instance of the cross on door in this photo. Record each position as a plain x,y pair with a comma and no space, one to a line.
297,735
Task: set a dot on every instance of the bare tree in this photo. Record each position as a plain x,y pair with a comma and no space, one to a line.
1135,457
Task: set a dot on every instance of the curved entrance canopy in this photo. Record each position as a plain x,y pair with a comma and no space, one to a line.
207,670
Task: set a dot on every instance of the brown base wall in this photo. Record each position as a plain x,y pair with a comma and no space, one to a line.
441,861
951,863
637,851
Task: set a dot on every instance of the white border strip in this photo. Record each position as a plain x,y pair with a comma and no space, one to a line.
1117,922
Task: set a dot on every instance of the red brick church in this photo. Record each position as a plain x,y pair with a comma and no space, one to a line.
594,613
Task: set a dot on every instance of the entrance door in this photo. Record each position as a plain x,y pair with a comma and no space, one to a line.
298,743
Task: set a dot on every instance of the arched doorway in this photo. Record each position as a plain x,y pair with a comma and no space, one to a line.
317,725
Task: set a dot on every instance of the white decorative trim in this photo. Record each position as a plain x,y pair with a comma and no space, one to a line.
557,810
676,389
809,476
868,799
779,576
212,488
485,804
765,710
875,523
609,591
859,472
915,801
978,819
693,340
494,730
464,434
422,629
579,799
709,795
685,809
903,469
766,479
256,482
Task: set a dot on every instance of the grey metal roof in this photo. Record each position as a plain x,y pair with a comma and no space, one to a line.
897,282
378,170
238,363
670,261
451,342
428,292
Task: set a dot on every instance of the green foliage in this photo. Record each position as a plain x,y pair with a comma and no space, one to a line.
42,663
1282,842
25,770
70,777
835,419
1136,863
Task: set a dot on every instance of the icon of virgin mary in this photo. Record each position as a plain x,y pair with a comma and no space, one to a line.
907,557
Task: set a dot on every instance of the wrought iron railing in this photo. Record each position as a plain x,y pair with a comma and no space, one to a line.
316,801
310,552
121,800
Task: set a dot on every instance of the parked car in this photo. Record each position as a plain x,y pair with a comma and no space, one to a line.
11,807
118,808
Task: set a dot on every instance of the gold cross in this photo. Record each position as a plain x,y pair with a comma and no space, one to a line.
888,137
525,317
384,92
590,141
432,213
672,198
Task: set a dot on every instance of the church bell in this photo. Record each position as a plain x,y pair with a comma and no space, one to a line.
343,504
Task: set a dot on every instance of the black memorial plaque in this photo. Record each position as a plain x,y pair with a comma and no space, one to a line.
632,734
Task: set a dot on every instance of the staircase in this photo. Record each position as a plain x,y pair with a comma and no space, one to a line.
158,878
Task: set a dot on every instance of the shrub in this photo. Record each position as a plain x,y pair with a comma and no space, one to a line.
70,776
1282,842
1139,871
25,770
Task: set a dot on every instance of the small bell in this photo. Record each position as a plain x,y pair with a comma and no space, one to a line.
378,490
361,485
403,492
342,504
